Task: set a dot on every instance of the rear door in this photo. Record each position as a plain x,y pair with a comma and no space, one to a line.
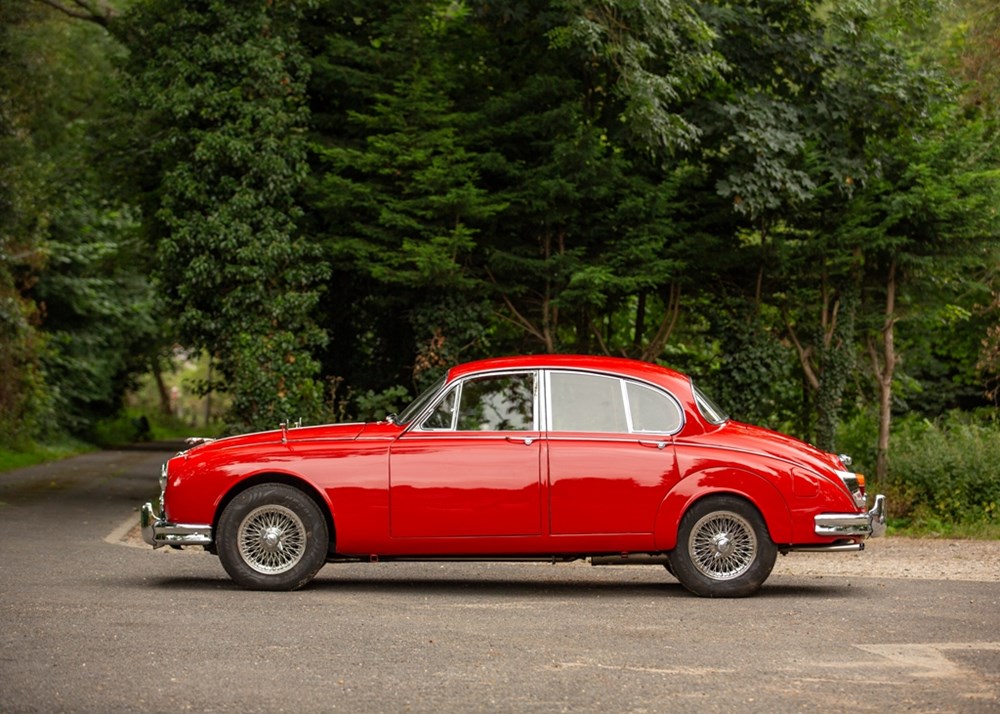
610,453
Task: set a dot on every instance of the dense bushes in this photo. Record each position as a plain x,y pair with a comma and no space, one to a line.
945,472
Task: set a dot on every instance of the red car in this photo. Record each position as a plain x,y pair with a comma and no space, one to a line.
548,458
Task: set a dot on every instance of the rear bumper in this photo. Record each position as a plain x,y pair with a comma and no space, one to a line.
841,525
157,531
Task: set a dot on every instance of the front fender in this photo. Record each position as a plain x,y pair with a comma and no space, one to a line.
759,491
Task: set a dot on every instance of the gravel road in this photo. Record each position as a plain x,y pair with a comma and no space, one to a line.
891,557
895,557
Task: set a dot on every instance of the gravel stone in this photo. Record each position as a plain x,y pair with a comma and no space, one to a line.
898,557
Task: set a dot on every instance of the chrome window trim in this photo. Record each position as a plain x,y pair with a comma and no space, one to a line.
656,390
455,389
624,381
458,384
439,385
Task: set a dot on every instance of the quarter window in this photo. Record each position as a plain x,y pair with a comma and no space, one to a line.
443,416
652,410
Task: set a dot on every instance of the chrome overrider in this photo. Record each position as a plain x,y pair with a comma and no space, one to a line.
157,531
870,524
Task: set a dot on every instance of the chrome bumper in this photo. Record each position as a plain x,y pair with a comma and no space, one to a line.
870,524
157,531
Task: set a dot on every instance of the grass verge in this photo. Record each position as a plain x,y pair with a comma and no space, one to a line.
32,454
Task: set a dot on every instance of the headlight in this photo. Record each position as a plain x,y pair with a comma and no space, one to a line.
855,483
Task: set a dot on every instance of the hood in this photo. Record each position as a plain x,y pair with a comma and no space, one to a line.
325,432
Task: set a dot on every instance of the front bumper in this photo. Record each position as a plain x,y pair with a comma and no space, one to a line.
841,525
157,531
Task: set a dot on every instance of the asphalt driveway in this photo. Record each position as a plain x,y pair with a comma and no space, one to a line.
92,621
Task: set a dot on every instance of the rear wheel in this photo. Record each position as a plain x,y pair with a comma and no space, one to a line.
272,537
723,548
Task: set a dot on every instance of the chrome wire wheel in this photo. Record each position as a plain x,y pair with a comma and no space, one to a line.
722,545
271,539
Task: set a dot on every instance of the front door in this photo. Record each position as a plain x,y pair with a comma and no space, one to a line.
471,467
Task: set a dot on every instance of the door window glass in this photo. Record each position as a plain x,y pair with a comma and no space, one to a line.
497,403
587,402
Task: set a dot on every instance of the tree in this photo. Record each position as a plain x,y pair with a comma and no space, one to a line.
921,219
401,201
217,89
22,250
582,115
84,302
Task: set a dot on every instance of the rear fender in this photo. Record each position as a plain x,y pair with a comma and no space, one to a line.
760,492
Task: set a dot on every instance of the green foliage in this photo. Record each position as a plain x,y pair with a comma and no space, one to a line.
72,276
753,370
856,437
372,405
97,311
218,88
649,56
946,472
22,253
377,189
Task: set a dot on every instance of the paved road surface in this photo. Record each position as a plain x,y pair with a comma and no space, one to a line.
89,622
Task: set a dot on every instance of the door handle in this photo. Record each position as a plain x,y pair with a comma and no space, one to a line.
526,440
653,444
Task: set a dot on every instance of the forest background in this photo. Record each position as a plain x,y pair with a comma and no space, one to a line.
331,201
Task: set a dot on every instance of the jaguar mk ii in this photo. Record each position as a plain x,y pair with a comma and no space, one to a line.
548,458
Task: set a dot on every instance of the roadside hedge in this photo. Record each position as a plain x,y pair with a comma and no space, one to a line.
945,472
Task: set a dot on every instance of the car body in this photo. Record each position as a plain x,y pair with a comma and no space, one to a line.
553,458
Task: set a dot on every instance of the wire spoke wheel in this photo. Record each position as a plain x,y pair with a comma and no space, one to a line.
272,536
723,545
271,539
723,548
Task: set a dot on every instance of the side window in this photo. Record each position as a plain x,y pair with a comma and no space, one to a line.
586,402
652,410
498,403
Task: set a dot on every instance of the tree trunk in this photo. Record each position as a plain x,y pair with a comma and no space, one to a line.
166,407
884,366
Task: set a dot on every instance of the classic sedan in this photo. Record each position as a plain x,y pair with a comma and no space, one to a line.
546,458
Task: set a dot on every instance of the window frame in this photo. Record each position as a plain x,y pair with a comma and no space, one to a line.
457,387
623,383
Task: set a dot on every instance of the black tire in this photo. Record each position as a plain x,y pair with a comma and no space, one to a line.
272,537
723,548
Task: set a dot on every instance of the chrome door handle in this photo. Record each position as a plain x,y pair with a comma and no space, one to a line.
652,444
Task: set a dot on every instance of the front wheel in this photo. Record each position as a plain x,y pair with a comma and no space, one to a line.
723,548
272,537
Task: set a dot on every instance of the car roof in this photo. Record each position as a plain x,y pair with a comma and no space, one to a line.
618,365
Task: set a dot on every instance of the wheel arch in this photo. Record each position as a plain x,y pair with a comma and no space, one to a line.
283,478
753,488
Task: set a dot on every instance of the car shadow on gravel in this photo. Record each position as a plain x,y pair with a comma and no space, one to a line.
526,588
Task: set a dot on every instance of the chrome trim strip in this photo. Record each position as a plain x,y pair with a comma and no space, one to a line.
158,532
833,548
